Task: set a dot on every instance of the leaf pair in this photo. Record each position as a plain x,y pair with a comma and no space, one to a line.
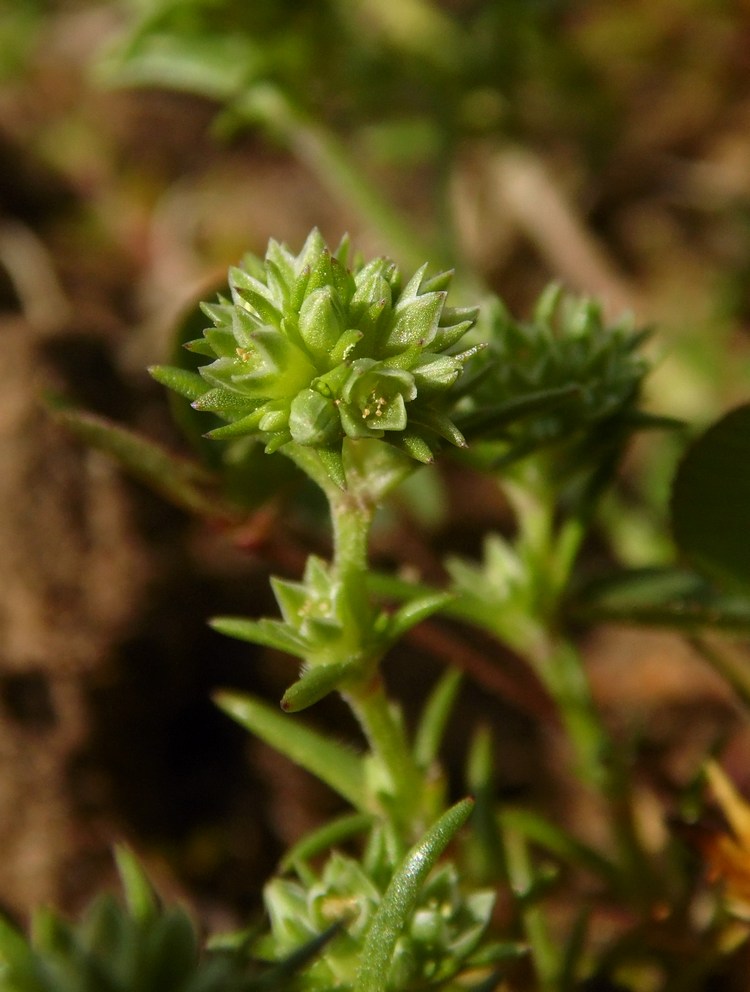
328,624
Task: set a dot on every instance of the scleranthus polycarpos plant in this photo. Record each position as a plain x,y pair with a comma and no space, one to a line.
360,377
349,372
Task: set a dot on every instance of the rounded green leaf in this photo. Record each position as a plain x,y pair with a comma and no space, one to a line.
711,500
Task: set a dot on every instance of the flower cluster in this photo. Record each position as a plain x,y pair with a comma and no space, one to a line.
565,382
331,627
310,351
438,942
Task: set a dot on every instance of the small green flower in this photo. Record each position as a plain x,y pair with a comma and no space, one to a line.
311,352
438,941
338,635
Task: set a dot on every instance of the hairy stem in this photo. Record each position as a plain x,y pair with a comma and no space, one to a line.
384,731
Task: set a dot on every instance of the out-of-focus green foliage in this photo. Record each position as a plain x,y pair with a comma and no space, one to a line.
349,87
711,500
412,72
138,946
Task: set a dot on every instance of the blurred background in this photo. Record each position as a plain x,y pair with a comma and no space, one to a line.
146,146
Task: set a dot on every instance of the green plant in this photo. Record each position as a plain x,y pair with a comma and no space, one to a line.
300,360
323,365
139,945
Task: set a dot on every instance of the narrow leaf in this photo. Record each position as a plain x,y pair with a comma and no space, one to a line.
330,834
215,66
267,633
281,975
486,844
330,761
414,612
491,422
401,896
316,683
663,597
243,426
180,480
435,716
557,841
333,464
188,384
139,893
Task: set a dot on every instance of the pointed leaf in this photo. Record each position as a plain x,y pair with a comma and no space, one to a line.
416,447
268,633
188,384
665,597
492,421
180,480
441,425
329,760
414,612
411,289
282,975
226,403
291,597
401,897
557,841
316,683
242,427
416,322
140,897
332,462
214,65
253,292
326,837
435,717
448,334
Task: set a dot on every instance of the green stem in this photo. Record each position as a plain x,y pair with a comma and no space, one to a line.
385,735
352,515
352,518
545,955
559,666
561,669
551,552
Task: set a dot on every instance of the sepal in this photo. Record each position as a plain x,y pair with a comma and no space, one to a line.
181,381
